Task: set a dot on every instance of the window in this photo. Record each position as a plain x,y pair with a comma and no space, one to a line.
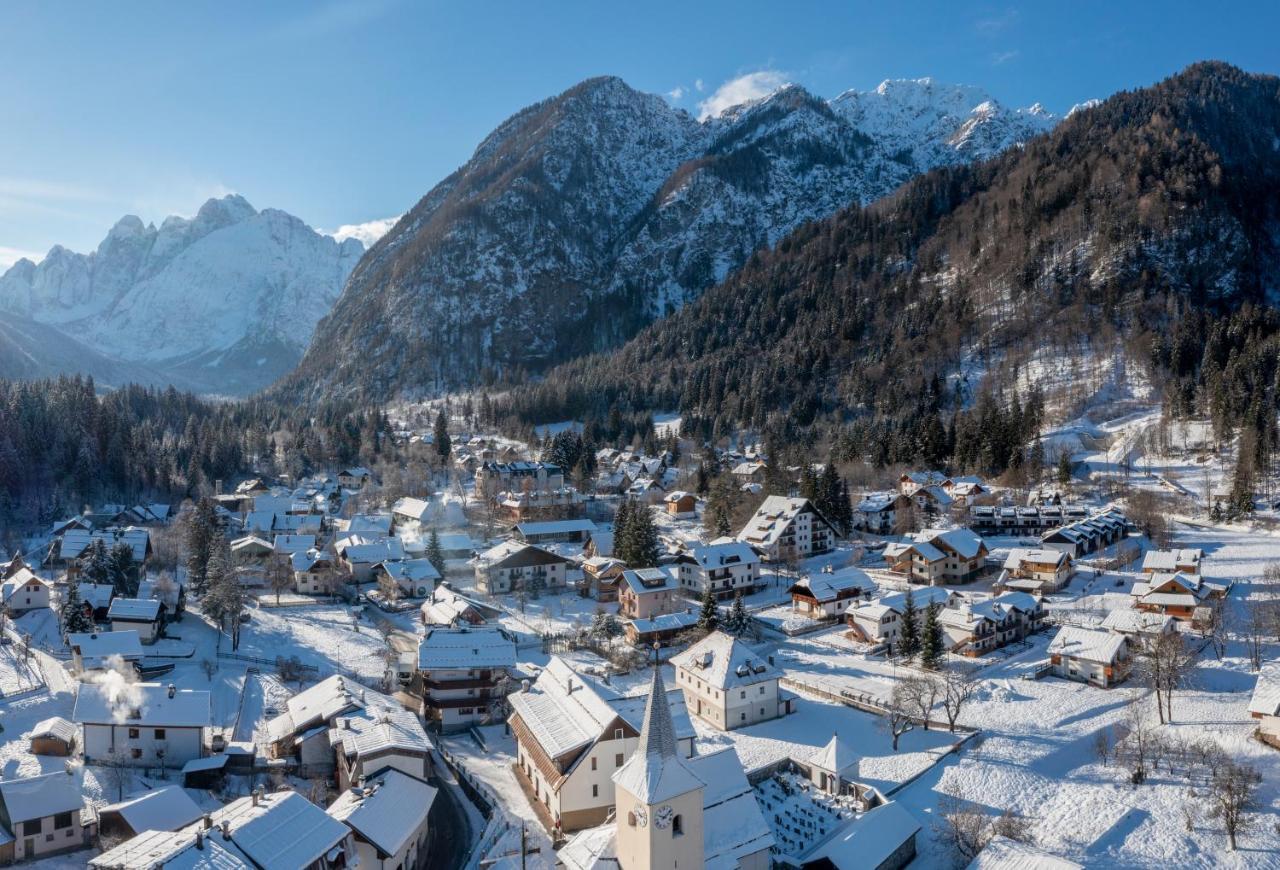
677,826
62,820
593,762
595,791
133,733
743,694
617,760
617,733
631,819
742,717
762,690
136,753
32,827
159,733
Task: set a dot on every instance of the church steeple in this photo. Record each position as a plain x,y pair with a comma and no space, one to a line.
655,770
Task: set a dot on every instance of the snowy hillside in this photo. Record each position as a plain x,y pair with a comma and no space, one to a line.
582,218
225,301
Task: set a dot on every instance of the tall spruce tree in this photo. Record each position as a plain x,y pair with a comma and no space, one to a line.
931,647
95,563
738,622
202,529
641,540
124,571
709,616
444,444
909,637
74,619
435,553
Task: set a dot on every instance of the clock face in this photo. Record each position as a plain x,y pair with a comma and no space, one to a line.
662,818
642,817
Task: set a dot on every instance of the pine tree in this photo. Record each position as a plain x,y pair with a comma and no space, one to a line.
931,651
1064,468
124,572
444,445
643,547
435,554
224,601
202,527
909,638
709,617
738,622
74,619
96,563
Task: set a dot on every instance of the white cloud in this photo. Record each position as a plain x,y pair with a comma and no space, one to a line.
676,93
9,256
743,89
368,232
1003,57
698,85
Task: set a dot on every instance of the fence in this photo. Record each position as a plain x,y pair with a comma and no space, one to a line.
259,660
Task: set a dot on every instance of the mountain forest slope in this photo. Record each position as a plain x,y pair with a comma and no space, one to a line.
1148,222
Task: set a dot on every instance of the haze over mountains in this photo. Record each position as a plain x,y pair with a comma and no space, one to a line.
582,218
224,302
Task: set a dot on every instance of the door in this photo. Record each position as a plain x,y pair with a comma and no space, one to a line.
28,847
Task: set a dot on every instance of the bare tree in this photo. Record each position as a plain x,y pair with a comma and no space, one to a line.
210,667
921,695
117,771
1232,796
1135,748
279,574
1165,664
1257,622
967,831
899,716
958,686
1102,744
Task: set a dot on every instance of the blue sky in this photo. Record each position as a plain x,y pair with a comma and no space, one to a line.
344,112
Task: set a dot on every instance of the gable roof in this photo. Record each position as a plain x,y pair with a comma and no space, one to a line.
387,810
146,704
512,554
126,644
774,516
721,552
134,609
647,581
1002,853
164,809
172,850
825,586
280,830
35,797
1089,644
1171,560
466,647
1266,691
724,662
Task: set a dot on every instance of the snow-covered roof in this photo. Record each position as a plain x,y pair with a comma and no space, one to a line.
500,553
134,609
1266,691
1171,560
825,586
1089,644
412,508
836,757
125,644
463,647
772,518
330,697
655,771
387,810
555,527
964,542
562,711
96,595
57,728
412,570
172,850
665,622
308,560
724,662
921,598
723,552
75,541
18,580
876,502
142,704
164,809
1018,555
732,824
282,829
1127,620
360,550
38,796
647,581
869,839
370,732
1002,853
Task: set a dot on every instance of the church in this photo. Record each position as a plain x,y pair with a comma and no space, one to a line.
696,813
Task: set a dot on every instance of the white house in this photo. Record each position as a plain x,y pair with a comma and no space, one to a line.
880,621
387,813
784,529
302,729
150,725
726,683
1100,658
725,566
516,565
415,578
831,593
23,591
93,652
366,741
313,572
45,814
1264,705
143,615
459,672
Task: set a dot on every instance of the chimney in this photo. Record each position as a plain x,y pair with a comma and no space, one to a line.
200,840
226,829
524,685
173,690
208,821
570,685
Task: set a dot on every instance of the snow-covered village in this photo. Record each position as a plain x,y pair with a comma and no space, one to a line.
663,436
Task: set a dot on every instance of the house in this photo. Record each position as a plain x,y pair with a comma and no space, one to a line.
1088,535
674,812
1037,570
358,554
725,566
514,565
1185,561
552,504
355,477
97,599
446,607
750,471
284,831
379,738
143,615
251,550
968,491
301,731
1264,705
457,545
1002,853
495,477
572,736
45,814
880,621
647,592
877,512
54,736
934,556
173,850
911,481
727,684
1100,658
600,543
287,545
681,504
1177,595
883,838
554,531
415,578
786,529
387,813
831,593
646,491
602,574
22,592
411,513
931,500
75,541
975,628
162,809
1140,626
662,630
93,652
460,673
313,572
152,726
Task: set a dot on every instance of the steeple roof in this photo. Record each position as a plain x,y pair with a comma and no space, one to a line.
836,757
655,772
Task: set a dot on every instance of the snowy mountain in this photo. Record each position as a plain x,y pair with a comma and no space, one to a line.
582,218
224,302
